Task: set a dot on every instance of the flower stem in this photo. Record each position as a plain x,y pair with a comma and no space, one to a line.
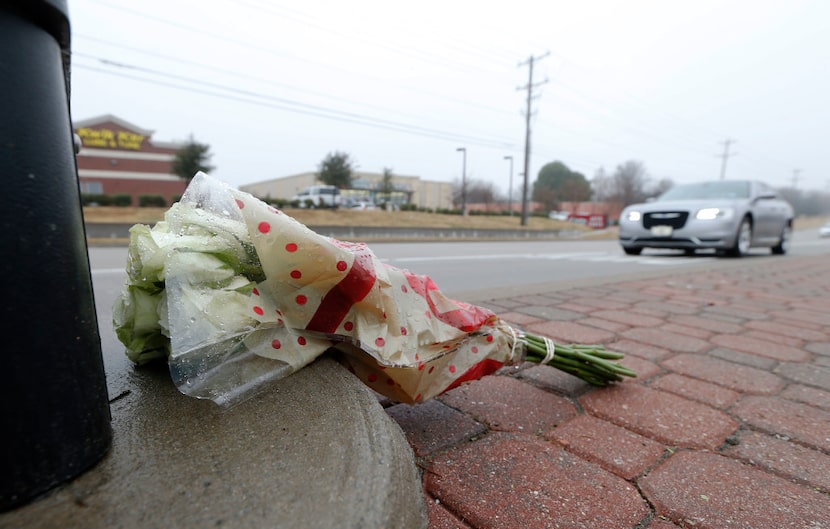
591,363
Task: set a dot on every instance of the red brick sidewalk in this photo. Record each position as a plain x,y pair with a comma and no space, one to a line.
727,426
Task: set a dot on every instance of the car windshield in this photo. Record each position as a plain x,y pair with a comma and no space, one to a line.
707,190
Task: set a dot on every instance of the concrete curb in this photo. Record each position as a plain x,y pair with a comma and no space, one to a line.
103,233
314,450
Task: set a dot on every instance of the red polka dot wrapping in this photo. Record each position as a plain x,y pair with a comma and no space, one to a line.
261,295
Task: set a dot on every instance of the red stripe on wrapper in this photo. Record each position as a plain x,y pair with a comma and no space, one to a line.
481,369
467,318
338,301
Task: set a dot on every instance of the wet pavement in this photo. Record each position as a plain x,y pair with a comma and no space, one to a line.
727,425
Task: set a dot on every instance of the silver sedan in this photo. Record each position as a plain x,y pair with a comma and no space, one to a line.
730,216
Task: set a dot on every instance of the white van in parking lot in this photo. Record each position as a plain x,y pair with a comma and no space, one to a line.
318,197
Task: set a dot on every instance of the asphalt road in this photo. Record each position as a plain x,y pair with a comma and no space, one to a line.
474,271
468,266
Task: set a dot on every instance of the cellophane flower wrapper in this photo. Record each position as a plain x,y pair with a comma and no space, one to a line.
236,294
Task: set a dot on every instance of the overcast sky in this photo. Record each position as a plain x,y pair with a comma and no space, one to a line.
273,86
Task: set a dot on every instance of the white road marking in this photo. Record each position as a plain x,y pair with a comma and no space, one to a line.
108,271
580,256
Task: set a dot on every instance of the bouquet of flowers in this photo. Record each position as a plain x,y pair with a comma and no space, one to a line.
234,293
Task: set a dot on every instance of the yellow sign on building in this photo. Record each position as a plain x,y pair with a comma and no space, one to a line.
103,138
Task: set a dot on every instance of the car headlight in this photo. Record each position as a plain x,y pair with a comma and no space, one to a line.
633,216
715,213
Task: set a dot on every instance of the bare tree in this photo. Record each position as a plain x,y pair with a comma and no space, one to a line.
662,186
630,182
807,202
602,186
478,191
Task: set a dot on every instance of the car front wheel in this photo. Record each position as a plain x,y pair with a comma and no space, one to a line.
784,243
743,240
630,250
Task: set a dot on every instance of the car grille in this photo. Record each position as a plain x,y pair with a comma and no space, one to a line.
675,219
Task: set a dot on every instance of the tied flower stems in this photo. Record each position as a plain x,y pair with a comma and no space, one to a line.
592,363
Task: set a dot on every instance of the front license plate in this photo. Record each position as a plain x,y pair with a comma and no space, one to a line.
662,231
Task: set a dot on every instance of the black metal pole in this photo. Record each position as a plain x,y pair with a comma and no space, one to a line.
54,412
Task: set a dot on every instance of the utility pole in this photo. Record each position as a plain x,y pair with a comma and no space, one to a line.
510,187
463,150
725,156
529,87
796,172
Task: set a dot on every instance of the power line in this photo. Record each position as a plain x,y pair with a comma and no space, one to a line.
327,66
265,7
601,108
294,106
213,69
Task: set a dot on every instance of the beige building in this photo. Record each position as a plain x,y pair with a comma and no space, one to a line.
365,186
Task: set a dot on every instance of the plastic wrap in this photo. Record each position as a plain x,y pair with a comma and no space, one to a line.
235,294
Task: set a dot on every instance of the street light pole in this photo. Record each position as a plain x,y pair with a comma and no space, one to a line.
463,181
510,189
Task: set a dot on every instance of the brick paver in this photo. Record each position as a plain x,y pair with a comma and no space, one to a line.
761,362
819,348
808,374
441,518
507,404
638,349
606,325
627,318
514,480
616,449
761,347
699,390
737,312
645,369
662,416
732,376
570,332
707,324
709,491
660,523
550,313
686,330
432,426
791,460
665,308
555,380
813,396
667,340
727,425
517,318
775,338
802,422
805,316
